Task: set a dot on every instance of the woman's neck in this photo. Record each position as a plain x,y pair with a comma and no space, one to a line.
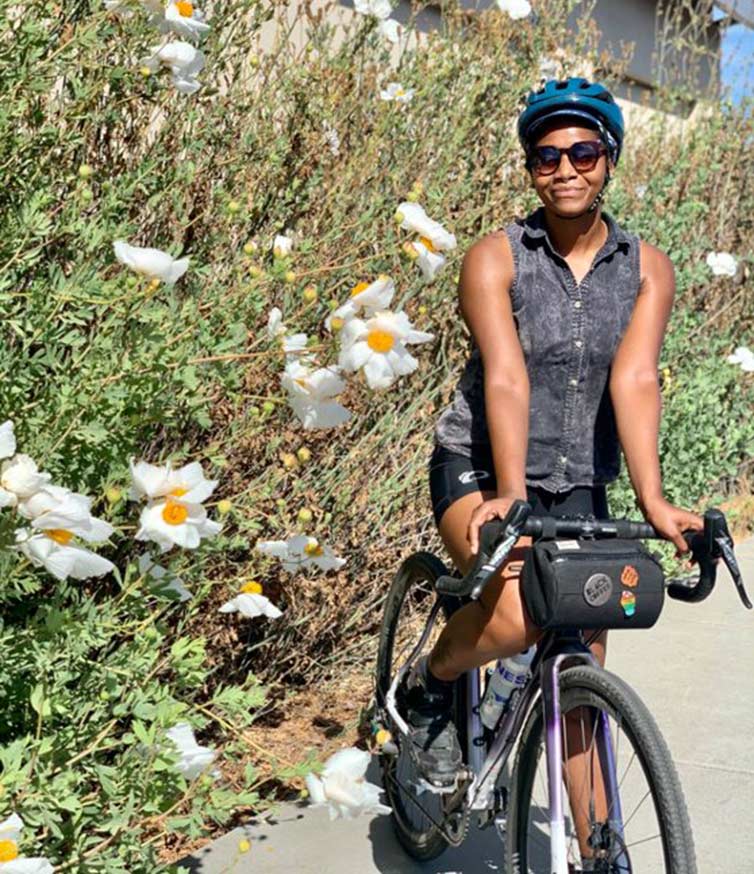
576,236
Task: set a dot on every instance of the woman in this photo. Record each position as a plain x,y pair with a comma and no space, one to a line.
567,312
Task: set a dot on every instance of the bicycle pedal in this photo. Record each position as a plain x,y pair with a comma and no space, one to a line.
421,786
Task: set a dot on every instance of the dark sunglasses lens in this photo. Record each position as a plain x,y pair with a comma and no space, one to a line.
584,155
546,160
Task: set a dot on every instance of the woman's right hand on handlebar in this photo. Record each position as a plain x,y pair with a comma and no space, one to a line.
495,508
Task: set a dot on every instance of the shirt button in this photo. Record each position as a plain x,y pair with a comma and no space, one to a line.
577,304
578,344
563,459
573,381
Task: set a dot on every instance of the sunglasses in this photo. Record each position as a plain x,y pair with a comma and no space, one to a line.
583,155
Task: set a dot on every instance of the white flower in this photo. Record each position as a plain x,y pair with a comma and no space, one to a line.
173,522
391,29
165,580
431,233
331,138
51,551
194,757
301,551
743,356
379,8
395,91
294,345
429,262
722,263
378,346
187,484
311,393
640,190
7,439
281,245
20,478
251,602
61,514
515,8
342,786
369,297
183,19
182,59
10,835
153,263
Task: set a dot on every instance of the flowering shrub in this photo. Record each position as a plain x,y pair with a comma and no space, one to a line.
242,267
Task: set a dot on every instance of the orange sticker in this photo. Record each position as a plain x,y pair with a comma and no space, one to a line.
629,576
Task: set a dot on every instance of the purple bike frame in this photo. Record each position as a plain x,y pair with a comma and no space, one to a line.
545,675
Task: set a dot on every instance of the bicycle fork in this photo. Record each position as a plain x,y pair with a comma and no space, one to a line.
554,753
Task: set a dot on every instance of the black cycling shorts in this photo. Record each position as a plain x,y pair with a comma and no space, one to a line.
452,475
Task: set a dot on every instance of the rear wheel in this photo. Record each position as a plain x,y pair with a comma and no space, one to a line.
408,605
646,829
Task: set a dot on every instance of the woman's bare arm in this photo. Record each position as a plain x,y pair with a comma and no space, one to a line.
635,393
484,300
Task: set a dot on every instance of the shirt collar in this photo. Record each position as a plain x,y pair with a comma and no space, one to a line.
535,227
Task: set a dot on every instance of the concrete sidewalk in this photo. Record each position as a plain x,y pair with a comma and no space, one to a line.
694,670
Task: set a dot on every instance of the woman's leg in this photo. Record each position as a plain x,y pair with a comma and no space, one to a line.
495,626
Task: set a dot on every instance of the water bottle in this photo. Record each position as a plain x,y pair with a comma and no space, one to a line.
509,674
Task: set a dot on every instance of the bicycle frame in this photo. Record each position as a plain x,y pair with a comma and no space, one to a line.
554,651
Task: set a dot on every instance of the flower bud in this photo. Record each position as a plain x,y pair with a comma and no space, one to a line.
249,248
336,323
224,507
145,72
85,171
309,294
113,494
234,206
305,515
268,407
289,460
255,270
303,454
421,310
289,276
413,196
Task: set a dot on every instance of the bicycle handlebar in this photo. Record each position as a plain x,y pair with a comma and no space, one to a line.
498,536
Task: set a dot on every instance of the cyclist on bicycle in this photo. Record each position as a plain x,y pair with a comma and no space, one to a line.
567,312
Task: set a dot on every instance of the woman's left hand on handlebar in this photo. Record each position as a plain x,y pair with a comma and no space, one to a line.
671,522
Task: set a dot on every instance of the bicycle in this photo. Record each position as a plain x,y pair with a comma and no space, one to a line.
566,691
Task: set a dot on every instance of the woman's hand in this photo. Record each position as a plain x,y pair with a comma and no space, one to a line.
495,508
671,521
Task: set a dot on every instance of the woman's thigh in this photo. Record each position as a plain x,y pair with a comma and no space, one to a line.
502,597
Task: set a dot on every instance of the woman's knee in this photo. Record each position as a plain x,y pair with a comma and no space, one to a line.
507,620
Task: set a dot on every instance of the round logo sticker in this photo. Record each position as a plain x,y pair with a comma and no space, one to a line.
597,590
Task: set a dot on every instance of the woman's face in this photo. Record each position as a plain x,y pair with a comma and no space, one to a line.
568,191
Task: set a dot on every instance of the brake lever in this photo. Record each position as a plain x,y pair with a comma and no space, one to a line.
516,519
724,545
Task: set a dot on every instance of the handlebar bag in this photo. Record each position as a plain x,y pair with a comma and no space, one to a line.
611,583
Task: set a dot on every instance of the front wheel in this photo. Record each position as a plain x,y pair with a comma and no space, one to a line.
409,602
639,826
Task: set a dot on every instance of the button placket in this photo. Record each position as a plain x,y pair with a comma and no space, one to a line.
574,369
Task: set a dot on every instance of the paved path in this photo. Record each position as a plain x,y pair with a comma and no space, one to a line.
695,671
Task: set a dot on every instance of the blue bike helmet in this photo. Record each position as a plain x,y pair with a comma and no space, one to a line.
574,98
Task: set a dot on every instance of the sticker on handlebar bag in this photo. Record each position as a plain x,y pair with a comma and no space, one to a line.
629,576
628,603
597,590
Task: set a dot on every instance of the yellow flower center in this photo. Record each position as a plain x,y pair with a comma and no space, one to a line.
8,851
301,382
174,514
185,8
380,341
59,535
178,492
314,549
252,587
428,243
357,289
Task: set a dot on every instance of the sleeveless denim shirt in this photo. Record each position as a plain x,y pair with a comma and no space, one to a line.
569,334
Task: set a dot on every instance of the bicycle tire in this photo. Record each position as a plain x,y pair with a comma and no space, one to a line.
420,567
591,685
